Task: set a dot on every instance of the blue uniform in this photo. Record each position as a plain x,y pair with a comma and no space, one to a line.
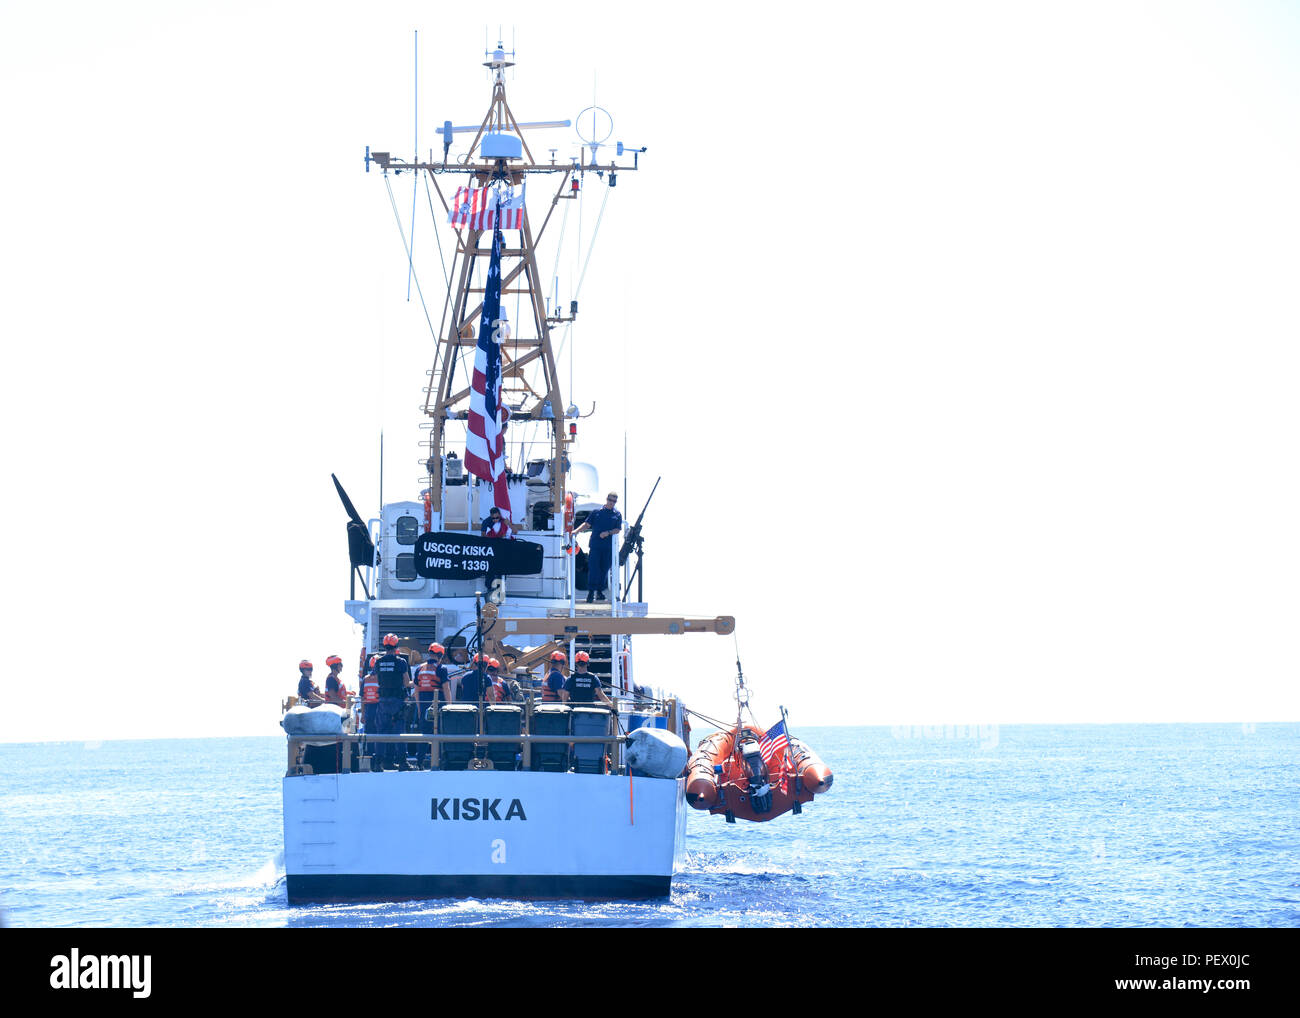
306,689
471,683
582,687
600,550
391,670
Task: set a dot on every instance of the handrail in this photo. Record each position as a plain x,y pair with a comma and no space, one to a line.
468,737
525,738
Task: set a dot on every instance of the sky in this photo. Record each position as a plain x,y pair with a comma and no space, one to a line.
964,337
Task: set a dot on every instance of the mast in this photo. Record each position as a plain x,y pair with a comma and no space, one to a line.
499,157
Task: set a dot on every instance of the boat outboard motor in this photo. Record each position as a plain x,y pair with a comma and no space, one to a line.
760,790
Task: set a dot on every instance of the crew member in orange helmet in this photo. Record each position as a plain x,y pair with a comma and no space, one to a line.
583,686
335,691
308,692
431,678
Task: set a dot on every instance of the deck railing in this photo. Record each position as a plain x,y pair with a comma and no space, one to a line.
355,749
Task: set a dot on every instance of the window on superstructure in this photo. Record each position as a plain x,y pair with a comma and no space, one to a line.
406,567
408,529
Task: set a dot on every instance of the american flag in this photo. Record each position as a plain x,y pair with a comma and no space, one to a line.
485,442
773,745
476,207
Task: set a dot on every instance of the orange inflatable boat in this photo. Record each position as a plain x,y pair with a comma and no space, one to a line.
729,774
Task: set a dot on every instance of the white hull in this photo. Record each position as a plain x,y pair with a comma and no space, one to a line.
517,834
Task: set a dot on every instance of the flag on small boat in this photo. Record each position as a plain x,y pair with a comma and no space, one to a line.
774,744
485,441
478,208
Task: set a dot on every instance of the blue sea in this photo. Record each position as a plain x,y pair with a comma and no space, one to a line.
1015,826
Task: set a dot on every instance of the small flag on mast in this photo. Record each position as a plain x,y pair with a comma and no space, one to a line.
478,207
511,209
485,441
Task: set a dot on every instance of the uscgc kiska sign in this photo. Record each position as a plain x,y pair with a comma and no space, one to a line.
464,557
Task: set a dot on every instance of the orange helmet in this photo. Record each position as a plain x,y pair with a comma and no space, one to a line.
390,640
436,648
559,656
305,665
333,660
582,655
373,659
493,663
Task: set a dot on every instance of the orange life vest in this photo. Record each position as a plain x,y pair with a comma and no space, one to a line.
426,679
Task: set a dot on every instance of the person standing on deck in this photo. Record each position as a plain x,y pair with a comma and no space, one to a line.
604,523
553,684
370,698
393,673
498,691
335,692
583,686
497,525
430,680
473,684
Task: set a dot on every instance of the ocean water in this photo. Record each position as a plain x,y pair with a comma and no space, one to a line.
1110,825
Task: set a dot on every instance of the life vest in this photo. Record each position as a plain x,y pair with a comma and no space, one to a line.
426,679
501,689
370,689
549,695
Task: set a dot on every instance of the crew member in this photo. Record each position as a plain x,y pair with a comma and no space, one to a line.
328,759
604,523
308,692
583,686
473,684
394,675
430,680
498,691
497,525
553,684
335,691
370,700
